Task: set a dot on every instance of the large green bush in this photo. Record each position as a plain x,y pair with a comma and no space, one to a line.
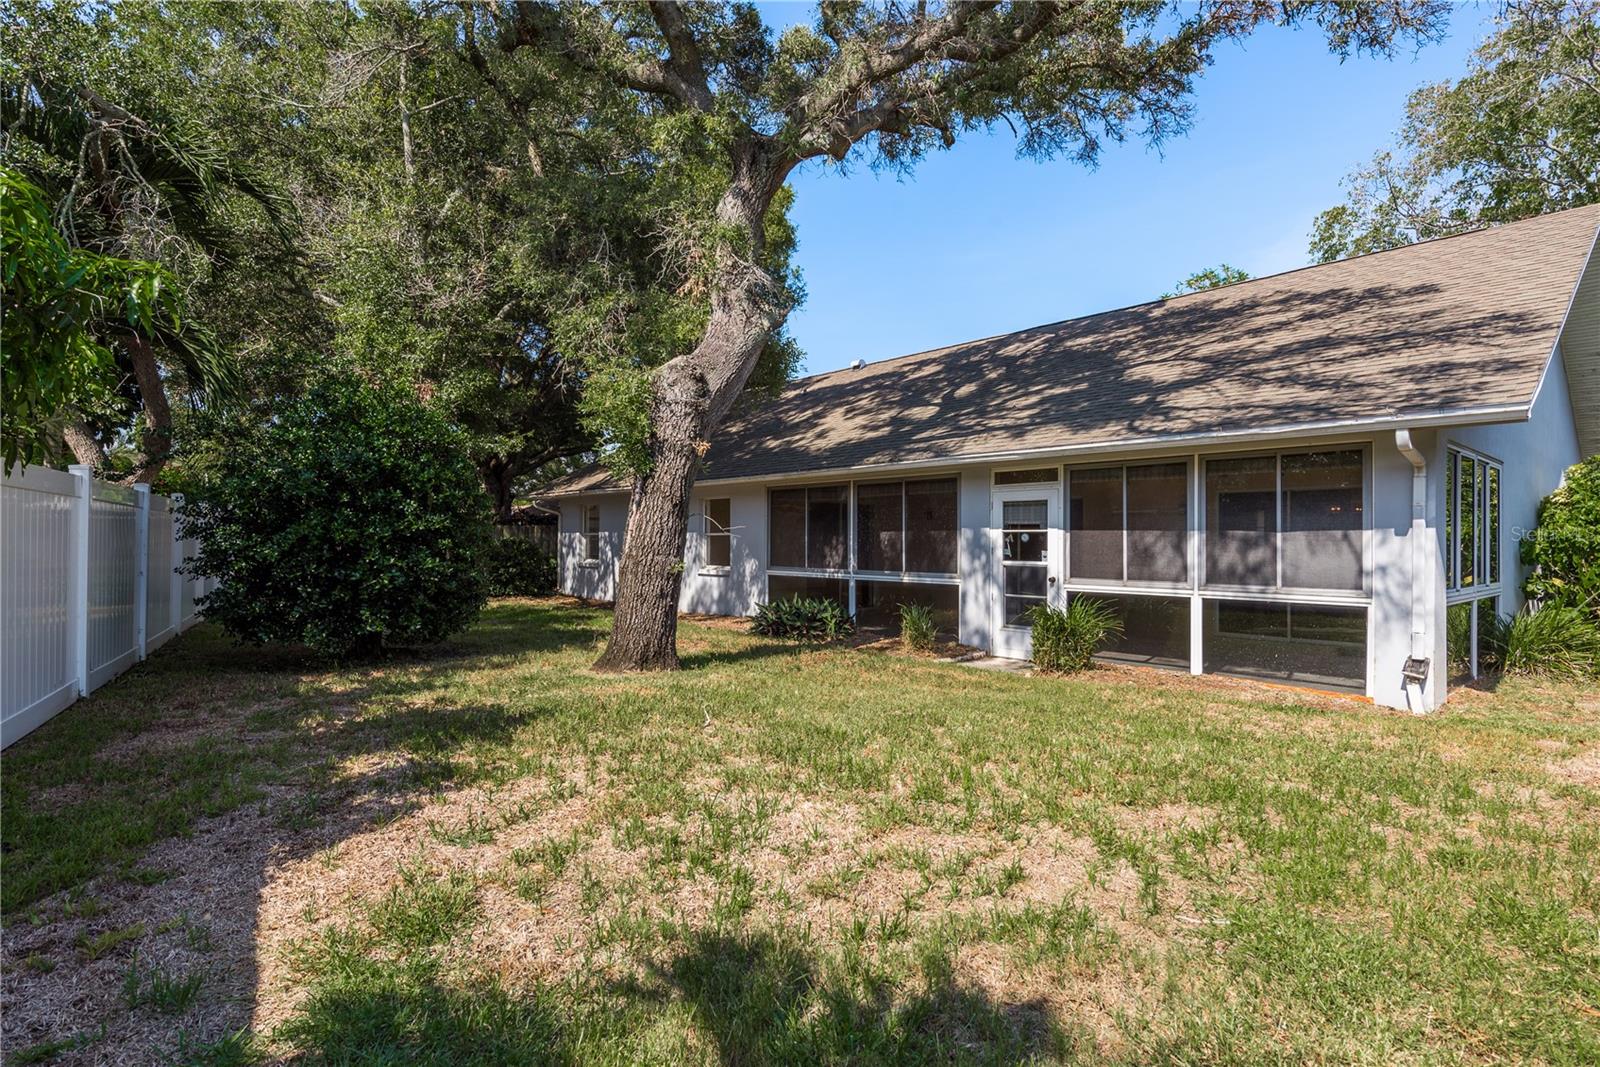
518,567
354,521
1564,551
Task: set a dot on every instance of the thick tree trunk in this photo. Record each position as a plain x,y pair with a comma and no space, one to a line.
496,475
85,449
692,394
156,442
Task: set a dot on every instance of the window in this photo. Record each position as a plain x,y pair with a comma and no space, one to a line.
1322,523
719,541
1312,644
1471,521
1025,540
809,528
1155,630
907,526
1027,477
1242,521
878,604
784,586
591,533
1291,521
1129,524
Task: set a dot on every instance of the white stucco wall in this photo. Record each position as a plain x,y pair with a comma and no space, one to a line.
592,580
1534,456
738,588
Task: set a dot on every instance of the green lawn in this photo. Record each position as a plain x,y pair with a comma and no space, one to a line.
790,855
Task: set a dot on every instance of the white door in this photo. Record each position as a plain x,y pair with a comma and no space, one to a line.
1026,522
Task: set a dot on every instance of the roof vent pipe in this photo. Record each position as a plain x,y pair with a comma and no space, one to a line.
1416,671
857,364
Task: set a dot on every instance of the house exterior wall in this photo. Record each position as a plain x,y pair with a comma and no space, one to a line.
591,579
738,588
1400,568
1534,457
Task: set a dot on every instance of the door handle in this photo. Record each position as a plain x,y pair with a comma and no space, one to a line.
1052,579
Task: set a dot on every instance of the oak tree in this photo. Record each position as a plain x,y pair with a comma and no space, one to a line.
888,81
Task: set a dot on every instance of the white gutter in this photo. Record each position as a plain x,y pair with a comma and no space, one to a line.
1420,650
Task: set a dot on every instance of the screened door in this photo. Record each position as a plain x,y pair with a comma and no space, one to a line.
1027,524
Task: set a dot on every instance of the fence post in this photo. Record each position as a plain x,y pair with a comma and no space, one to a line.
173,503
141,572
78,595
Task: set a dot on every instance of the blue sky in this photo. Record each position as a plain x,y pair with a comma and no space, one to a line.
977,242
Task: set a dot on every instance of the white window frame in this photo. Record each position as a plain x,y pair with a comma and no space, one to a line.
589,531
1493,586
712,530
1279,591
1107,585
850,573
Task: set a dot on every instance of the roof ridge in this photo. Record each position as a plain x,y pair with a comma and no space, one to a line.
1475,231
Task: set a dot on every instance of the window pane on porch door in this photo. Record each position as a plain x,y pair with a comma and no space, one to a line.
1242,521
1322,522
1094,534
1158,523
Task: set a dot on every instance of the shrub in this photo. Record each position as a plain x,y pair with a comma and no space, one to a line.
515,567
1548,639
806,618
916,626
1564,551
1065,640
352,522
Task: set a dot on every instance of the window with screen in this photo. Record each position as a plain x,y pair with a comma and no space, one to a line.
591,532
907,526
719,538
1129,523
809,529
1295,520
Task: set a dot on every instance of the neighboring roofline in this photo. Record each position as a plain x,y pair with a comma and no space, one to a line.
1450,417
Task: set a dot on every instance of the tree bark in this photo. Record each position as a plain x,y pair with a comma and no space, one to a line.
497,479
156,443
692,393
85,449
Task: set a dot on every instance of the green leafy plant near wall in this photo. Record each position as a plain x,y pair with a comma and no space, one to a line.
917,627
354,521
805,618
1066,639
1564,551
1547,639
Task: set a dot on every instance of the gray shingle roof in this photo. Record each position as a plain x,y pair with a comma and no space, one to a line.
1464,322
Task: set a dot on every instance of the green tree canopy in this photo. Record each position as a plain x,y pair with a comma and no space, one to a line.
1209,278
1517,136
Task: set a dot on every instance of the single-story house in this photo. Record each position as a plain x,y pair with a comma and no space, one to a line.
1319,477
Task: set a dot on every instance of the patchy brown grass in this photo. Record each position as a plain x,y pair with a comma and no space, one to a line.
804,855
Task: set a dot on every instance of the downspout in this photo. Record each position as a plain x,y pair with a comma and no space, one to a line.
1416,669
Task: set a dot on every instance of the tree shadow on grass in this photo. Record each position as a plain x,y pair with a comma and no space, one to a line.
753,999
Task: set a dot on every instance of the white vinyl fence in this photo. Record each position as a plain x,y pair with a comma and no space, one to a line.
88,587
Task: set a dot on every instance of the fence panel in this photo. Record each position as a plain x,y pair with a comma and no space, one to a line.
159,622
38,657
113,577
80,602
